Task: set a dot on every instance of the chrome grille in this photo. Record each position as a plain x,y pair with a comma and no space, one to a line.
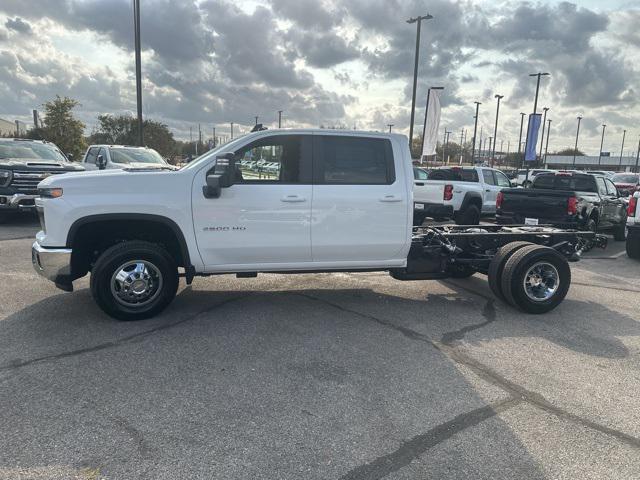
27,181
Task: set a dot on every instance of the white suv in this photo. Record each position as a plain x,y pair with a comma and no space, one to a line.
106,157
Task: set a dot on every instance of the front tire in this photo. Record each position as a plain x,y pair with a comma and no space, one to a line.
536,279
134,280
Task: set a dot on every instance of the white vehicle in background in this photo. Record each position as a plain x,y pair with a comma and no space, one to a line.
521,179
108,157
460,193
633,227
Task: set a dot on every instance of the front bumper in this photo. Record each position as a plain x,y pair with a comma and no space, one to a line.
18,201
53,264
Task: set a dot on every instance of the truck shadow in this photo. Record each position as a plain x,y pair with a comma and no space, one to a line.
256,385
584,327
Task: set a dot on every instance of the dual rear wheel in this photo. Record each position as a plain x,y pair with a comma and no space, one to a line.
532,278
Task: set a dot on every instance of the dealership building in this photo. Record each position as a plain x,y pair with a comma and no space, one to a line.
585,162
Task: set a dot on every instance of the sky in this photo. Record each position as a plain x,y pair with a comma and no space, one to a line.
331,63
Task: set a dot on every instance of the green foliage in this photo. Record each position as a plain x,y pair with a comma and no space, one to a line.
570,151
61,127
123,130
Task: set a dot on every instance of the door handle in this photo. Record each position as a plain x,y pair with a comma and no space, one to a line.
420,184
293,199
488,190
390,199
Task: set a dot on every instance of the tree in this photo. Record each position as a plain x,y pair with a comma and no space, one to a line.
61,127
569,152
123,130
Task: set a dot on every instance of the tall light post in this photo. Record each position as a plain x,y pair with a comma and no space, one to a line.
575,150
604,126
475,131
136,31
495,130
417,20
231,130
389,125
624,135
544,122
445,144
280,118
546,148
635,170
256,117
214,137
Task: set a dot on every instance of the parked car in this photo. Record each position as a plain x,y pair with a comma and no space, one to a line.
459,193
627,183
633,227
604,173
569,200
107,157
133,229
24,164
522,180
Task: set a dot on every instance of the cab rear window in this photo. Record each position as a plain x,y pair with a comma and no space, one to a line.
577,183
454,175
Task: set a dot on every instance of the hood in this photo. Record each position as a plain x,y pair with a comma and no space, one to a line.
109,178
39,164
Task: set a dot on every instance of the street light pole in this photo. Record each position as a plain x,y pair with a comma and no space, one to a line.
136,30
604,126
256,117
445,144
624,134
575,150
389,125
475,131
495,130
544,122
635,170
279,118
231,130
417,20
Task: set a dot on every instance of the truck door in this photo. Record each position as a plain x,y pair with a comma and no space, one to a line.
361,198
490,192
263,220
617,212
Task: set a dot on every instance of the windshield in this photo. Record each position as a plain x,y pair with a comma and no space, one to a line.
135,155
625,178
41,152
231,146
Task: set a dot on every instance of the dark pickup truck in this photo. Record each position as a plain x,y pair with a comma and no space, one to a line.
567,200
23,165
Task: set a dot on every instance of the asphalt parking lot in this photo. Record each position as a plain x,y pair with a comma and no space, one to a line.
332,376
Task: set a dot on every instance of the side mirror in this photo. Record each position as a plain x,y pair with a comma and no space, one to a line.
212,189
70,156
223,175
101,162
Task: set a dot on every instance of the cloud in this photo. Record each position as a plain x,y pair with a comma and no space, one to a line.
18,25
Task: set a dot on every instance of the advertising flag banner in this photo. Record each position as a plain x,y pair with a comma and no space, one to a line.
532,137
432,123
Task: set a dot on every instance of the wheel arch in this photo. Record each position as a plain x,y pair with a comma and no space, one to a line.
109,228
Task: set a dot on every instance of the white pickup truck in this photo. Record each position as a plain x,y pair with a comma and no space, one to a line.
459,193
337,201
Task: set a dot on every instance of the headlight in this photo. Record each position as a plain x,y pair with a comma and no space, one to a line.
5,177
50,192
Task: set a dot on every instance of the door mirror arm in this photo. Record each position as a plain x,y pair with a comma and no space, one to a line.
101,162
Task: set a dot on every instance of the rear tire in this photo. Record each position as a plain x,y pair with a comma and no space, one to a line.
633,248
536,279
134,280
469,216
496,267
620,232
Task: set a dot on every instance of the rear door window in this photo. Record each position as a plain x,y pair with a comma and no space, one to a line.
487,175
454,174
501,179
353,161
92,155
